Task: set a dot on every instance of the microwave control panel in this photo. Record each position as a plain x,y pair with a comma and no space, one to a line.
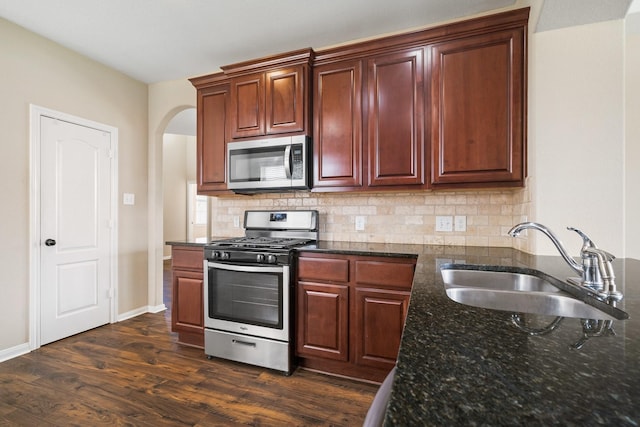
297,161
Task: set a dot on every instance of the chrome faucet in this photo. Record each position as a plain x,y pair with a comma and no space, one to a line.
596,271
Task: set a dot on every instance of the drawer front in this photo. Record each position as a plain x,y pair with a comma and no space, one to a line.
383,273
247,349
187,258
323,269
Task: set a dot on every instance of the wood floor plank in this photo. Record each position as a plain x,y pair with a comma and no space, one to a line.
134,373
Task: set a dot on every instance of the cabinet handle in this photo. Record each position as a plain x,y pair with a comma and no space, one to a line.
50,242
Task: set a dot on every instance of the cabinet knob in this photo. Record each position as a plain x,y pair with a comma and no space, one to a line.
50,242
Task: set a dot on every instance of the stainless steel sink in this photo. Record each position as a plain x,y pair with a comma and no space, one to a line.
515,292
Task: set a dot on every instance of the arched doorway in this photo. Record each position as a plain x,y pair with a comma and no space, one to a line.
185,215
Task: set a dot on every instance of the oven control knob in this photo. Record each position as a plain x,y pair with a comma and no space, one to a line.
216,255
271,259
225,255
260,258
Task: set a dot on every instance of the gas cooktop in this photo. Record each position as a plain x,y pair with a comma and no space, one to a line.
260,242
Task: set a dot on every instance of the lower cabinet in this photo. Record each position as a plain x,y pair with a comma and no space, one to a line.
187,316
351,312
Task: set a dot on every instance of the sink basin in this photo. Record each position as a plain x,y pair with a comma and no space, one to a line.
515,292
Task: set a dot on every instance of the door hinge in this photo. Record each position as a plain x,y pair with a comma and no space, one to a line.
111,224
111,293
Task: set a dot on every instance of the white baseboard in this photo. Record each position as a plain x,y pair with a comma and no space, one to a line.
21,349
141,310
16,351
157,308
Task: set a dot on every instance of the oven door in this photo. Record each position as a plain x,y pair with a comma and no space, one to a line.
247,299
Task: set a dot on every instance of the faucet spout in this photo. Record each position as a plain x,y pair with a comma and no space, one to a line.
517,229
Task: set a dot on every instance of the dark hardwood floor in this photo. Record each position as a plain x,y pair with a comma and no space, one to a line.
133,373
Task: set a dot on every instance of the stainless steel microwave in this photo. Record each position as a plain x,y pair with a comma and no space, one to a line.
276,164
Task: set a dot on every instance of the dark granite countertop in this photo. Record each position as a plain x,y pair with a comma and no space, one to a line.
460,365
199,241
365,249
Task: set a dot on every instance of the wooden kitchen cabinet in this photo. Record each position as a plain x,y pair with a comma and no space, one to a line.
187,309
212,133
395,118
323,319
338,148
379,320
351,311
438,108
392,155
478,121
270,96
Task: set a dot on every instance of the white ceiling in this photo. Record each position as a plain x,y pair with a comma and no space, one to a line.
159,40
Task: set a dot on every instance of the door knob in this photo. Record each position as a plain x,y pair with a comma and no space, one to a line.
50,242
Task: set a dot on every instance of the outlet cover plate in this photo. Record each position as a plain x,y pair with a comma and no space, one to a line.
444,223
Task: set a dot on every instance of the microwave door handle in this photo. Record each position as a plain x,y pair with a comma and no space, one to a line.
287,161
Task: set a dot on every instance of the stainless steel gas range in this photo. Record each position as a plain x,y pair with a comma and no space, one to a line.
248,291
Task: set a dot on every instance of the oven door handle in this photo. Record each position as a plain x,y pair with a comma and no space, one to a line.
246,268
247,343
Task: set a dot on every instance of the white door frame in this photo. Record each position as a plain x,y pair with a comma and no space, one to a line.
35,113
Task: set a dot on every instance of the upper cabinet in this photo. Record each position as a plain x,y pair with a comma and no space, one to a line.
270,96
395,137
337,125
438,108
212,132
478,110
368,122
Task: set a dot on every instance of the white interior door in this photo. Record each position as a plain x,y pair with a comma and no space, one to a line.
75,223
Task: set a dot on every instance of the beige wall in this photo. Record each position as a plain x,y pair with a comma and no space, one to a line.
577,129
37,71
166,99
576,161
573,114
632,137
179,159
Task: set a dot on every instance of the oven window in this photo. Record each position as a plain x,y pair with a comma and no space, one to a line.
246,297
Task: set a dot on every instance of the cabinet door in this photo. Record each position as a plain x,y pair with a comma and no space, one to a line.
211,139
395,119
247,106
379,320
477,90
187,304
337,110
323,325
286,100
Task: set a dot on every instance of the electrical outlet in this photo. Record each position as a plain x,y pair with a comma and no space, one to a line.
128,199
360,222
236,221
460,223
444,223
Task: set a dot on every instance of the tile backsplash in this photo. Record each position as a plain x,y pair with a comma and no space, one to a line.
398,217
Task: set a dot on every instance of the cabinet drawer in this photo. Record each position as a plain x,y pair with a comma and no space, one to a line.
323,269
393,274
187,258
